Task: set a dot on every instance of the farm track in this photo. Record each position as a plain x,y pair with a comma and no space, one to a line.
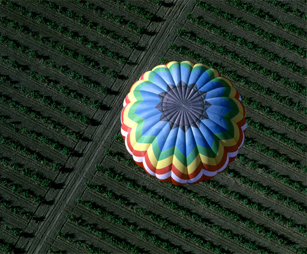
250,36
117,230
243,52
265,25
252,76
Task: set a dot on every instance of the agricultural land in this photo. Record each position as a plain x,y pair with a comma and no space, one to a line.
67,182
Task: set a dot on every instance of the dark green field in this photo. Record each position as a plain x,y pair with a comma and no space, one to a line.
67,183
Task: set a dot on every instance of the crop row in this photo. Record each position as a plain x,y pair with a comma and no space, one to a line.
117,19
143,233
60,48
234,76
49,102
80,244
36,115
62,30
45,182
140,11
16,188
248,44
186,212
269,131
13,231
242,60
287,8
273,153
152,216
102,234
248,26
37,136
44,79
5,204
6,247
89,24
30,153
215,206
62,89
266,190
237,196
285,179
265,15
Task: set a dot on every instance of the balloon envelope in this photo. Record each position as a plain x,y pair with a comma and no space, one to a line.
183,122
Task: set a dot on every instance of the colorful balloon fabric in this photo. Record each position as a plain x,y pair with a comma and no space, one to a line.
183,122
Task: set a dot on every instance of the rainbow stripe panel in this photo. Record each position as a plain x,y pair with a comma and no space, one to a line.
183,122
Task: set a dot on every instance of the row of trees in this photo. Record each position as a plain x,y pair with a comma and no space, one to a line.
89,24
185,211
118,19
60,48
63,69
80,244
64,31
143,233
269,36
266,190
102,234
287,8
252,164
269,131
248,44
233,56
37,136
235,77
16,188
26,172
15,145
6,205
38,116
246,201
273,153
261,13
140,11
51,104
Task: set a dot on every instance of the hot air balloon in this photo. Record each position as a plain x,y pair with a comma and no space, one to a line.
183,122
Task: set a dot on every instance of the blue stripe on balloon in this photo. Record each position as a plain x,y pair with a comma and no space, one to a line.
149,95
189,141
185,74
158,81
215,123
167,77
218,92
206,134
219,110
149,126
180,142
211,85
145,109
220,101
176,74
195,75
203,79
199,139
171,139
